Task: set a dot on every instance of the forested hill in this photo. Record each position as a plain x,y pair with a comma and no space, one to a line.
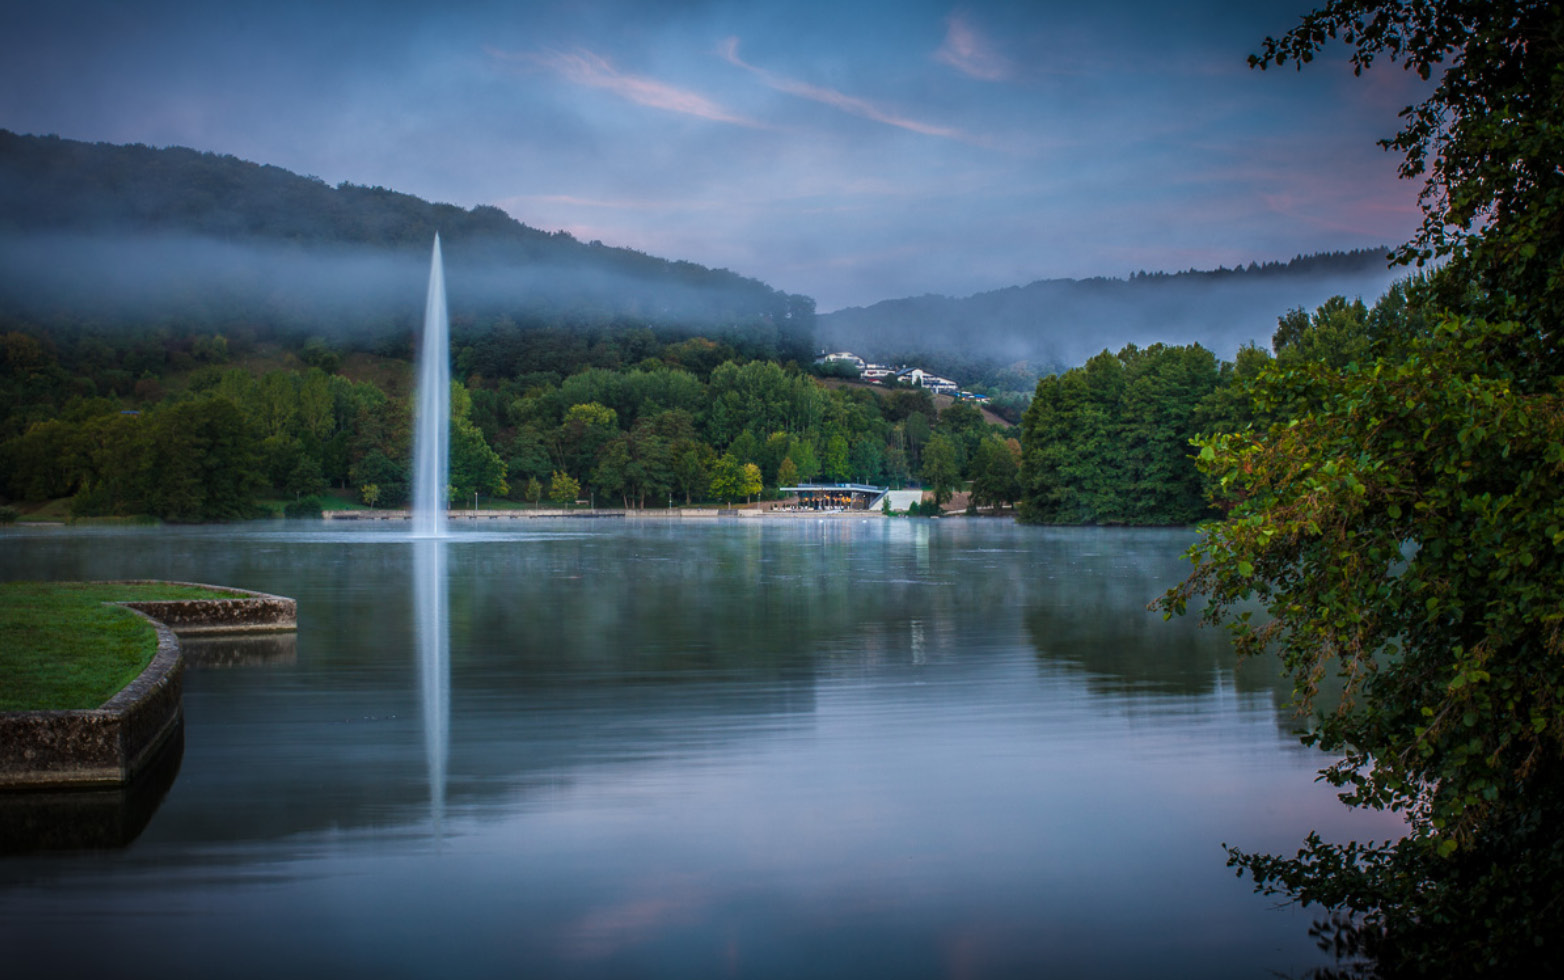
99,231
1064,321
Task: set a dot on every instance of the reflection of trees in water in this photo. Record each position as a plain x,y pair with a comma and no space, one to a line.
263,650
1090,617
740,600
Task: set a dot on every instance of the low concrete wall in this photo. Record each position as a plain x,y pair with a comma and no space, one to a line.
246,612
103,746
108,745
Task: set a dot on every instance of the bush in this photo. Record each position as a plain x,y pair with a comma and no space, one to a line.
306,507
8,515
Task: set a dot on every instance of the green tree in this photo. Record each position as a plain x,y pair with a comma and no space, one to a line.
762,397
1485,140
732,479
1337,334
727,478
917,430
563,489
389,477
940,470
803,455
1108,443
836,463
45,462
963,424
771,455
1401,528
528,457
691,467
1072,468
585,430
1405,538
197,463
1164,388
611,475
750,481
474,466
787,473
996,476
866,459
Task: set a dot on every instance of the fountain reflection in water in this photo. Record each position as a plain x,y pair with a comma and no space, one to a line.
431,601
431,604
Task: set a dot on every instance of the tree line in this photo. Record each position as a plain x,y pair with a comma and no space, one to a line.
199,427
1111,442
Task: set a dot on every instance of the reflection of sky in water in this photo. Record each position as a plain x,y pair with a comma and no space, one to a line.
728,749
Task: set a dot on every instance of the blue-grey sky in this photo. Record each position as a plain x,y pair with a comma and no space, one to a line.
851,151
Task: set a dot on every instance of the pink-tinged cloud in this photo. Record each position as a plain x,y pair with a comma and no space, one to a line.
661,203
729,50
582,67
970,53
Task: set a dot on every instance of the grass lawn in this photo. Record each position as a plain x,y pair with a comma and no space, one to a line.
61,648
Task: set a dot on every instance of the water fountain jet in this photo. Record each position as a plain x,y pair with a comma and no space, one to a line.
432,437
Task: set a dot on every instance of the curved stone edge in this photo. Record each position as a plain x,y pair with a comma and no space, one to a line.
108,745
100,747
247,612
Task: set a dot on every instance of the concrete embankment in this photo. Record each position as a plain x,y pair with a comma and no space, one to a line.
109,745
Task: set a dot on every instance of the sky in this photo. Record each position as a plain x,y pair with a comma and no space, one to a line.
850,151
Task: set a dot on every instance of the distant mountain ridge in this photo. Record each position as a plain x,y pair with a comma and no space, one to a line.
105,233
84,223
1061,322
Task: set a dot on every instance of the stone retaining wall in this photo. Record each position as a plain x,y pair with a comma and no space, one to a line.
246,612
110,744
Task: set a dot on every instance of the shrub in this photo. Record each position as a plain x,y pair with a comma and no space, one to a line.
305,507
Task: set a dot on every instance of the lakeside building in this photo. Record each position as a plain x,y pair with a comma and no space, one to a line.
835,496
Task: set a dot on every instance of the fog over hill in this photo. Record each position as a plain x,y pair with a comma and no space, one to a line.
100,234
107,233
1062,322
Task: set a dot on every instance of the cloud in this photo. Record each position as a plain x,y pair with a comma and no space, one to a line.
583,67
970,53
729,50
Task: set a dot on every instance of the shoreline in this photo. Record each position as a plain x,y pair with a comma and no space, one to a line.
108,746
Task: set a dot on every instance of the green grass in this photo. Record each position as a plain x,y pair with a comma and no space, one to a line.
61,648
48,510
328,500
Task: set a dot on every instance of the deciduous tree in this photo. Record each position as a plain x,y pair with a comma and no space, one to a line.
1402,528
940,470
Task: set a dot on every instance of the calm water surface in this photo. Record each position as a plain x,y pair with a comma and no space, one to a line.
780,749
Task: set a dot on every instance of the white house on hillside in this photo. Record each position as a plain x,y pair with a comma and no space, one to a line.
842,357
920,378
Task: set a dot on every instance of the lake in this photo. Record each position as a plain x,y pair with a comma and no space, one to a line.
750,748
